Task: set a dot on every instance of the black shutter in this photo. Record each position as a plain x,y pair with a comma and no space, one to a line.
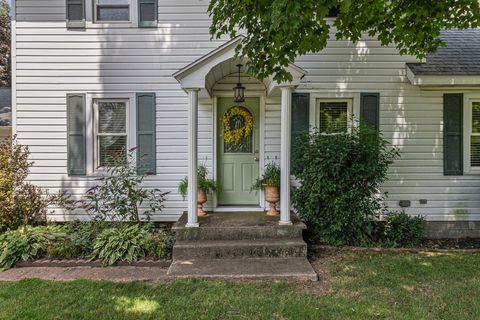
453,134
300,117
147,13
370,109
75,13
76,134
146,142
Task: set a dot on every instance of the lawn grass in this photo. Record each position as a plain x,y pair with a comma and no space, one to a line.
360,286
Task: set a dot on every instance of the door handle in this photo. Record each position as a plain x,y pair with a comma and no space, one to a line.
256,158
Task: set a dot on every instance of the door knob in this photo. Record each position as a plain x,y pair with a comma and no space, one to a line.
255,159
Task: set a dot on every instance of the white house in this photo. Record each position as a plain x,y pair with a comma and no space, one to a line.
92,77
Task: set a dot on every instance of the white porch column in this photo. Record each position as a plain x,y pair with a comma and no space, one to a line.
285,135
192,157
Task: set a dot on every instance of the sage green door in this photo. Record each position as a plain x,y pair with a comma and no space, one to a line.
238,163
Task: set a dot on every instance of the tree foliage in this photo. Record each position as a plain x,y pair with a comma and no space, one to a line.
277,31
5,67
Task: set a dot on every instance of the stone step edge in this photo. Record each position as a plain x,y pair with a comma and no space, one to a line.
242,243
295,226
309,275
70,263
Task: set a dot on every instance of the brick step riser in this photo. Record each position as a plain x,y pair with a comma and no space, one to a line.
219,252
245,234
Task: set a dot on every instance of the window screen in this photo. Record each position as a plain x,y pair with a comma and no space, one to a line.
113,10
111,132
333,117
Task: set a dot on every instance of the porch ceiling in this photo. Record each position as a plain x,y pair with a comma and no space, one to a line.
205,72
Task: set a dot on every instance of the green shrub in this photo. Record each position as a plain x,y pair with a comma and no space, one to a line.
403,230
22,203
82,235
120,196
28,243
124,243
340,177
65,249
159,243
270,177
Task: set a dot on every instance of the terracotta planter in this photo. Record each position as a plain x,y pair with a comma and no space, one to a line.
202,198
272,195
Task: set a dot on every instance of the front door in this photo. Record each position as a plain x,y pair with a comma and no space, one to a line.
237,162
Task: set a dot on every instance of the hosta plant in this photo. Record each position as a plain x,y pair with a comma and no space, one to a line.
124,243
27,243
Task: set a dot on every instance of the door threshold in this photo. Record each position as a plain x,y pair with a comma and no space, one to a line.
238,209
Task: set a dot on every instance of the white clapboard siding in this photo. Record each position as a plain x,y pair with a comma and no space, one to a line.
52,61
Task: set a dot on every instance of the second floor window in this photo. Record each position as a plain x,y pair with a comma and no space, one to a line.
112,10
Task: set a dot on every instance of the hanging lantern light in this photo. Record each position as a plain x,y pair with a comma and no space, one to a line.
239,90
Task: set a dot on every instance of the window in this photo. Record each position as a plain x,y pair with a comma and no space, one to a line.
475,135
333,115
112,10
111,127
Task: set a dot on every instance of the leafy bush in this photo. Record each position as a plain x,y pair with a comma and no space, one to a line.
159,243
28,243
82,235
22,203
340,177
403,230
125,243
271,177
203,182
120,195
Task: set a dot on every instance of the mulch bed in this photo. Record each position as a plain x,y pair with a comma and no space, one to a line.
69,263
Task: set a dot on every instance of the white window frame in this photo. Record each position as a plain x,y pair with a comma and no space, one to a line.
92,22
92,153
97,134
469,99
350,111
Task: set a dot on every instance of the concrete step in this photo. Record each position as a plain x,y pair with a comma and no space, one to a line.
238,226
252,268
238,233
222,249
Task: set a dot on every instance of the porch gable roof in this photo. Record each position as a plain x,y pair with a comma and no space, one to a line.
204,72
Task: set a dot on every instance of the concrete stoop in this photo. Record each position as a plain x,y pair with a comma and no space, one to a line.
238,245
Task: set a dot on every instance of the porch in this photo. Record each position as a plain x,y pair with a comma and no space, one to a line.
199,80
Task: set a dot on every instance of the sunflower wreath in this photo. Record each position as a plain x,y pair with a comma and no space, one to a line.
234,136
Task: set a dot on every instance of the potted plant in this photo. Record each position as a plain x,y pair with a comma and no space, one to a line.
205,186
270,182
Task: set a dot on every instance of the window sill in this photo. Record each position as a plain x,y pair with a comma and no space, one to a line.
472,172
105,25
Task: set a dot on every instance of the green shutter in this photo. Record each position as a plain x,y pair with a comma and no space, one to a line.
75,13
300,117
370,109
453,134
146,120
147,13
76,134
